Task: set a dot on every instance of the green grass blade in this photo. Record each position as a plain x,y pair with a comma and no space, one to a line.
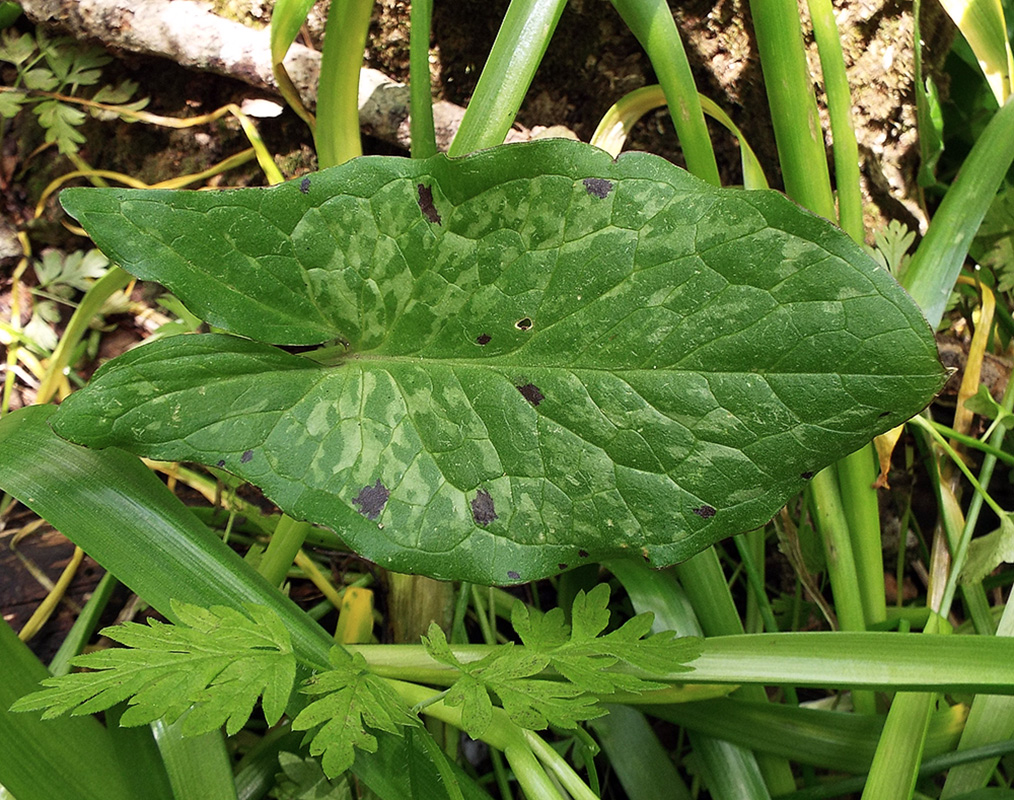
423,133
71,758
337,134
866,660
615,125
84,626
652,23
829,739
990,719
520,44
637,756
982,24
198,766
896,762
286,19
730,771
938,260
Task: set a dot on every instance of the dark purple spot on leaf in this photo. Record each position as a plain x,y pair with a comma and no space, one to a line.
246,457
304,185
523,324
426,204
531,393
483,338
372,499
221,462
561,566
598,187
483,510
514,576
583,553
704,512
806,475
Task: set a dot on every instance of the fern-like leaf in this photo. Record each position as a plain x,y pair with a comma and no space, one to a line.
351,699
580,654
218,661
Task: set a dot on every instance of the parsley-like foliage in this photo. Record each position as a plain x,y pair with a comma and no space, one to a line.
217,661
351,699
578,653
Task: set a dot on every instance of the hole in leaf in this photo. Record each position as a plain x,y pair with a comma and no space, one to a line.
483,510
523,324
372,499
246,457
426,204
483,338
531,393
514,576
884,414
806,475
598,187
705,512
304,185
561,566
583,553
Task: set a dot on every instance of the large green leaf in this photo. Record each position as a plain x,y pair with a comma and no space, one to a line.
548,356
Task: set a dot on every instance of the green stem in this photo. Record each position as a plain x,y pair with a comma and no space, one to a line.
841,566
285,543
652,23
424,138
564,773
502,734
856,474
839,106
793,106
524,35
337,133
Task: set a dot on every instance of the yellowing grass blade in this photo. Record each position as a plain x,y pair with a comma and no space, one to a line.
615,126
982,24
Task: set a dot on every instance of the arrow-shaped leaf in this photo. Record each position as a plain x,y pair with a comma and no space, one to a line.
548,356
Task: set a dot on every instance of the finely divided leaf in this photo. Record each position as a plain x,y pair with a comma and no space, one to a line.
218,661
508,672
587,658
545,357
352,699
584,658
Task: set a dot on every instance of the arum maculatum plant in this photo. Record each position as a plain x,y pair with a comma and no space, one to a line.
499,367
